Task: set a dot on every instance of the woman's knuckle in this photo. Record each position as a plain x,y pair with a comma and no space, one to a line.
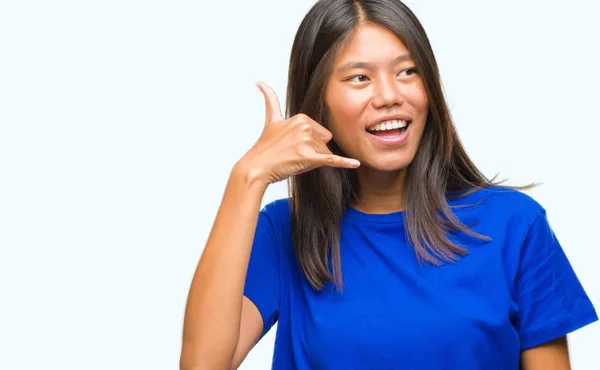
302,117
306,138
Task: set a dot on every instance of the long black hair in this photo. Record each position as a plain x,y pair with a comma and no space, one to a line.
441,165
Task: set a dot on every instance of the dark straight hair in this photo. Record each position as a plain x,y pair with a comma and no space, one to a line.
440,171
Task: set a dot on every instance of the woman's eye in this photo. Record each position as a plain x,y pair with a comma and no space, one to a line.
359,78
412,70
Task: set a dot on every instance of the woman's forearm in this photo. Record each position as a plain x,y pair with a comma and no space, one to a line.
213,310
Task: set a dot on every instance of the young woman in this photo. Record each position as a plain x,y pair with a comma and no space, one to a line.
393,250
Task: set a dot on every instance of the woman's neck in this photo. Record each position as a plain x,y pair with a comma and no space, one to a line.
380,192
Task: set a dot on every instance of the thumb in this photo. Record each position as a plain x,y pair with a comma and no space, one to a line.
272,107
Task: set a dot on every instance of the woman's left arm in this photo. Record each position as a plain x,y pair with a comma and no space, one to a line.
552,355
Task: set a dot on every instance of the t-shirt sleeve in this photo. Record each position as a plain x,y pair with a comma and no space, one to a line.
551,300
262,278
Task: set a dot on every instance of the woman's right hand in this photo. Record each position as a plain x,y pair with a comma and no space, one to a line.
289,147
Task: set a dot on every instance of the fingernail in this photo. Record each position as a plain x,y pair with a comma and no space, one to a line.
354,163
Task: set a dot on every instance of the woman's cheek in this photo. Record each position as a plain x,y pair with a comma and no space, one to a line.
417,95
350,106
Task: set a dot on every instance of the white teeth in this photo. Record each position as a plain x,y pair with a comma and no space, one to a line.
388,125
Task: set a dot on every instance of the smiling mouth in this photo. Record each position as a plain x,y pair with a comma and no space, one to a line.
390,129
389,133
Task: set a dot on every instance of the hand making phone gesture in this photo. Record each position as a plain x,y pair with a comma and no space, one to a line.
290,146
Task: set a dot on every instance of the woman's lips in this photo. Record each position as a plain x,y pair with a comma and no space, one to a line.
389,137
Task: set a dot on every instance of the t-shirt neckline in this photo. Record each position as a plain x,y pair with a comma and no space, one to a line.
393,217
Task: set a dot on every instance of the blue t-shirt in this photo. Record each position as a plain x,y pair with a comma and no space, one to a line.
506,295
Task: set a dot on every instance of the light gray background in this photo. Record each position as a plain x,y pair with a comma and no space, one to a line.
120,121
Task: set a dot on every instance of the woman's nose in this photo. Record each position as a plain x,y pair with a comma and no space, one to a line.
387,93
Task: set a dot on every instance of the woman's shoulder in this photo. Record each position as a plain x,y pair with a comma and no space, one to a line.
277,208
277,213
500,202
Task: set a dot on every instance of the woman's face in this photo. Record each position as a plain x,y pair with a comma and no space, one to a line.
372,93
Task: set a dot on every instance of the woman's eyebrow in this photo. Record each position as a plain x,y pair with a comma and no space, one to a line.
366,65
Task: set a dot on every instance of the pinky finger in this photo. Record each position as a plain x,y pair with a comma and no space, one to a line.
333,160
